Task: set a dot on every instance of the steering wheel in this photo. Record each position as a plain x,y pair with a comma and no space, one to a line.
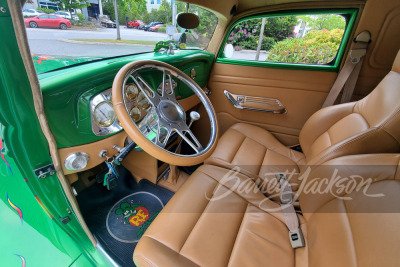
165,116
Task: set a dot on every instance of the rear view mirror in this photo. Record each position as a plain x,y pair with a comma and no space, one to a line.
188,20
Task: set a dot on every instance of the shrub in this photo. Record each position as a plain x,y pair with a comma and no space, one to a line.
80,16
162,29
317,47
252,43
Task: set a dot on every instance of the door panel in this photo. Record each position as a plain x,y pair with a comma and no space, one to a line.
300,92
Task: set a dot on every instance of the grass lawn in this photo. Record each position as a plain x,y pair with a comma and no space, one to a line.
117,41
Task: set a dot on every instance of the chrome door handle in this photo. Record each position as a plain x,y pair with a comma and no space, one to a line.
256,103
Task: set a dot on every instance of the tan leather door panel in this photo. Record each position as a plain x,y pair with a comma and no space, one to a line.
300,92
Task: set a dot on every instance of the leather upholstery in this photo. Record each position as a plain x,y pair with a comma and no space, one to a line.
235,230
367,126
361,230
245,228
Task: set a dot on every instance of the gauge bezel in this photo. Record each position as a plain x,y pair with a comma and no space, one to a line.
105,125
96,129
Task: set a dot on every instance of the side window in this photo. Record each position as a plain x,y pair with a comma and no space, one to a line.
44,16
53,17
312,39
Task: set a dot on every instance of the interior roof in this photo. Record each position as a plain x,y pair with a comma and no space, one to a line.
223,7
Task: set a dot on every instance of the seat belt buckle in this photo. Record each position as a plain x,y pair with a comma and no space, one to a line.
296,238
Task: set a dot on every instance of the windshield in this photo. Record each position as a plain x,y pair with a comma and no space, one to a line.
83,33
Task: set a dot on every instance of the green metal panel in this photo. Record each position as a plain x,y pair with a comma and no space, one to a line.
38,239
67,92
350,13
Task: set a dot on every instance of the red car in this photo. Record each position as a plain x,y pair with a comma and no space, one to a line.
48,20
155,28
135,24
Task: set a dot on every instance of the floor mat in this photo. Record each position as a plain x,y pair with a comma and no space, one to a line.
118,218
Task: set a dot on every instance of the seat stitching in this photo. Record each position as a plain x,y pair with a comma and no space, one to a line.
237,151
366,134
241,223
351,231
194,226
169,249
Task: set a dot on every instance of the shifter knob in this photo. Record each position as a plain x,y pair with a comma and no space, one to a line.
194,116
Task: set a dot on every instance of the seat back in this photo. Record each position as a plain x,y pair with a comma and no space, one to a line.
355,220
371,125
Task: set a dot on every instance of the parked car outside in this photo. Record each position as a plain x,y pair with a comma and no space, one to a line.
155,28
66,15
135,24
106,22
31,12
151,24
48,20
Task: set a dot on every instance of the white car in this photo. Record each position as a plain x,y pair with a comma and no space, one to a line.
66,15
31,12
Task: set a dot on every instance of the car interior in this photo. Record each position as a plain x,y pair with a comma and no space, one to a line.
202,158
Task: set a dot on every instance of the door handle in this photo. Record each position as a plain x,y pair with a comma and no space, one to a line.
256,103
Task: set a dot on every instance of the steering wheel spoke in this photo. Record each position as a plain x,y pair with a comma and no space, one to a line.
148,92
193,143
165,93
162,138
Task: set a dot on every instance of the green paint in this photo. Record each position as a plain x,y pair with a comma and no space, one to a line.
48,63
40,240
67,92
350,14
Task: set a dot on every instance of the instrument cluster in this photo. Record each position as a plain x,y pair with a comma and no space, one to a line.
104,119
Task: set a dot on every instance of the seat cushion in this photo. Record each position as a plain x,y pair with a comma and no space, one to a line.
213,222
258,154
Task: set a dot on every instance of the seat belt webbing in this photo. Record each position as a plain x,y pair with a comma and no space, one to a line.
291,220
349,74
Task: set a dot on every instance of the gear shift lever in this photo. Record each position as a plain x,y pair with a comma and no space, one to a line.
194,116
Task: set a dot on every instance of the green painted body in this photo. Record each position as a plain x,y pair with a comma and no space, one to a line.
48,63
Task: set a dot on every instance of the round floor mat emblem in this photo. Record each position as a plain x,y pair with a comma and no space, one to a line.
129,218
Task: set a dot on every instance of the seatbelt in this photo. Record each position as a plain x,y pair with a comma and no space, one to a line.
349,74
291,220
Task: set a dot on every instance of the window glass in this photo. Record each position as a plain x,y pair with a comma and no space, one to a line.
91,36
53,17
304,39
44,16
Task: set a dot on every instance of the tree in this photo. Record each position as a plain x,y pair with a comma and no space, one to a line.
326,21
133,9
71,4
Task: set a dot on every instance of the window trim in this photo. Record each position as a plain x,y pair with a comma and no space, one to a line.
350,12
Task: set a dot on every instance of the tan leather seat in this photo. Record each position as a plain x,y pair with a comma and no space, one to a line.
211,221
370,125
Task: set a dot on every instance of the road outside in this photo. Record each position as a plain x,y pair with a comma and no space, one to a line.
56,42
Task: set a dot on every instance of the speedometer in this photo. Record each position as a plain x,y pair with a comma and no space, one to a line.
104,114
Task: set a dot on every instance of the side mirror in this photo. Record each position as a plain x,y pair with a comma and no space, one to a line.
188,20
228,50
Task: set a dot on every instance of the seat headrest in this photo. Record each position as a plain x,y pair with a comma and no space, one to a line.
396,63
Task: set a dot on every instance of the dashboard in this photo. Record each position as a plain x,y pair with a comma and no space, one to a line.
78,99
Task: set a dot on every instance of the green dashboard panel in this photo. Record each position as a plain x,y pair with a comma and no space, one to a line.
67,92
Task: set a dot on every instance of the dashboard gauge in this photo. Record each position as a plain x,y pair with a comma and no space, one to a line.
142,101
119,123
135,114
104,114
131,91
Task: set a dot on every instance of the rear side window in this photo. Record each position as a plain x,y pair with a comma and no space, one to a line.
308,39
